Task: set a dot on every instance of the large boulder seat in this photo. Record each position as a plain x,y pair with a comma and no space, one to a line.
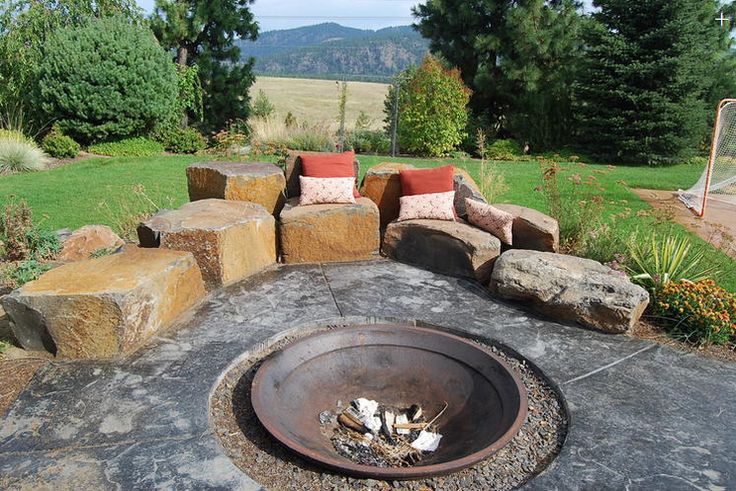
382,185
105,307
254,182
230,240
326,232
570,289
454,248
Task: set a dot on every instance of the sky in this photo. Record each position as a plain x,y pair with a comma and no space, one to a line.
363,14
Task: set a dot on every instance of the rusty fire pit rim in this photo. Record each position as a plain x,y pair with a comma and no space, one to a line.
345,465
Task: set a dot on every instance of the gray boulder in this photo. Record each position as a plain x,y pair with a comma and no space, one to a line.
570,289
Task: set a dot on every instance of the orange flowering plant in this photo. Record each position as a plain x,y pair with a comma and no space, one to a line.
701,312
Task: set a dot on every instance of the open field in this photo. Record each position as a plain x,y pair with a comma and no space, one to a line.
315,101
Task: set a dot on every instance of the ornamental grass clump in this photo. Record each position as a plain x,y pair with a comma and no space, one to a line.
18,155
700,312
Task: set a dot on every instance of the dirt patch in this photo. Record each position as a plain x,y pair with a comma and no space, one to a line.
718,227
650,332
54,163
15,375
250,446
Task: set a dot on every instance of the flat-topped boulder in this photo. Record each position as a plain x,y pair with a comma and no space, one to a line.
329,232
533,229
84,242
450,247
293,169
570,289
258,183
382,185
104,307
465,187
229,239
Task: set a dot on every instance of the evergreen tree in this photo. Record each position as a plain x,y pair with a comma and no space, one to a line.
518,56
647,83
24,27
204,33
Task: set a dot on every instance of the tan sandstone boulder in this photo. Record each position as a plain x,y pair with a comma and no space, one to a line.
329,233
382,185
258,183
452,248
570,289
533,229
104,307
229,239
84,242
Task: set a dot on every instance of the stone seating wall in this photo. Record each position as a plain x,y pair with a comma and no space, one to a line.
107,307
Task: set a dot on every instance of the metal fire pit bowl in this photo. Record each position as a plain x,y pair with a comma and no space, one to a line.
395,365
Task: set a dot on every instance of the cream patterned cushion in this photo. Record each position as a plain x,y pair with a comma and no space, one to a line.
435,206
322,190
490,219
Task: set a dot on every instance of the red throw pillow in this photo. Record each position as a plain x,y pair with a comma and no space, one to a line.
329,165
427,181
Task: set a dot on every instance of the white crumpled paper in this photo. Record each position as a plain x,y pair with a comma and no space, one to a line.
427,441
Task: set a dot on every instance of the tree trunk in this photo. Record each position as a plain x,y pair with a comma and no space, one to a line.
182,55
181,60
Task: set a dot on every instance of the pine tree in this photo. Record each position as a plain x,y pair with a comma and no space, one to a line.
204,33
518,56
649,71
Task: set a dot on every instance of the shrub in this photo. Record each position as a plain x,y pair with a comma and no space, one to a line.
107,80
59,145
131,147
701,312
575,200
262,107
433,110
18,155
504,150
183,140
271,133
491,181
21,239
657,260
368,141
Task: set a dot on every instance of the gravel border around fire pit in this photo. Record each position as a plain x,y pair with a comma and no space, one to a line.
275,467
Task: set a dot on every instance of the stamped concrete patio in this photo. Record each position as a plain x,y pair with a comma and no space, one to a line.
642,416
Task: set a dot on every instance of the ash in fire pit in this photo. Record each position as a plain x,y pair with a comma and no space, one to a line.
370,433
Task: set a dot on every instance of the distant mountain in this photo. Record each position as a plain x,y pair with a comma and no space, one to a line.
334,51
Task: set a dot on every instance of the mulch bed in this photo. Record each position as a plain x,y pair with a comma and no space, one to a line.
650,332
252,449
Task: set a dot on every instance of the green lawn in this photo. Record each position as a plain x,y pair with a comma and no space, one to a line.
94,190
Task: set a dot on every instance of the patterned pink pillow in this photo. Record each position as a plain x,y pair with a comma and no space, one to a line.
490,219
321,190
435,206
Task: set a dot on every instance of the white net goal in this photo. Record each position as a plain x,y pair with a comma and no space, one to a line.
718,182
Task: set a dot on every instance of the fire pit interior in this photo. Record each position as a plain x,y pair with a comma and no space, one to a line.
299,392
